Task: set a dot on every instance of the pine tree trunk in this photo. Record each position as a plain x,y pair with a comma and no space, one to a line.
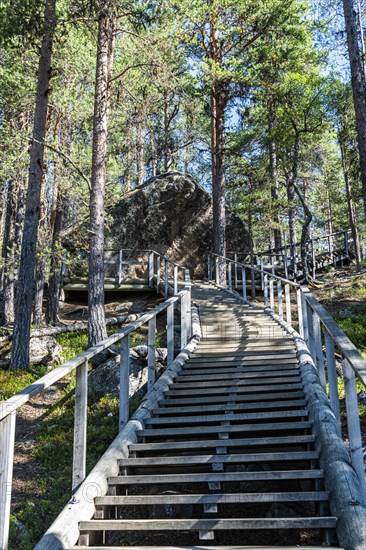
8,256
96,320
40,278
55,266
277,237
351,208
140,163
24,294
291,223
358,86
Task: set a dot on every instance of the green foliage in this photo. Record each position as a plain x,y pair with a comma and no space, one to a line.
72,343
13,382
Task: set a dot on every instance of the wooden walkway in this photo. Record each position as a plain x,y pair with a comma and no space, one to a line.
227,457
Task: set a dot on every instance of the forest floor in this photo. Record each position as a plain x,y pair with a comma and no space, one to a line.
43,454
44,430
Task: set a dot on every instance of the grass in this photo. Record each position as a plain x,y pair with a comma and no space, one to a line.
12,382
49,488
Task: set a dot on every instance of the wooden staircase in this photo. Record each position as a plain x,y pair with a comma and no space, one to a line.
228,456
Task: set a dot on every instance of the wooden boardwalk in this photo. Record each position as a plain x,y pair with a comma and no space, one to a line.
228,456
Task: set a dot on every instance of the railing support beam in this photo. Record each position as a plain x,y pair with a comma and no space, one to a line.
7,437
80,425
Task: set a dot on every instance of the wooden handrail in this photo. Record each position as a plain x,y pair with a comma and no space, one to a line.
79,364
315,324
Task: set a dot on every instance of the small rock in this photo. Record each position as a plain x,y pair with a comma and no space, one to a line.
22,531
347,314
44,350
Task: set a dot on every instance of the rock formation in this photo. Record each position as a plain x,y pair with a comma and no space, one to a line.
171,214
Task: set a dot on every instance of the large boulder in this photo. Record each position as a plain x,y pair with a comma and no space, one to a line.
172,214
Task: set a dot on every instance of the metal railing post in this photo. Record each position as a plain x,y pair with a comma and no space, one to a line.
229,275
80,425
217,278
151,347
209,268
124,382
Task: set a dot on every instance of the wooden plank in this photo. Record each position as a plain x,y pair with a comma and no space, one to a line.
218,459
239,389
215,408
200,547
7,437
233,351
234,398
244,364
232,369
216,443
242,428
235,383
80,425
229,377
227,417
208,524
227,498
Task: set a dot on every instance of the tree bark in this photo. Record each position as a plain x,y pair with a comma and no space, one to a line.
140,163
8,255
96,316
218,104
351,206
277,237
40,270
291,221
24,294
358,86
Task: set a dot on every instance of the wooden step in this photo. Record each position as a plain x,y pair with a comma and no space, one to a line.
235,398
190,370
242,428
217,459
224,477
227,417
226,443
239,389
215,408
207,524
229,377
200,547
236,382
227,498
220,356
